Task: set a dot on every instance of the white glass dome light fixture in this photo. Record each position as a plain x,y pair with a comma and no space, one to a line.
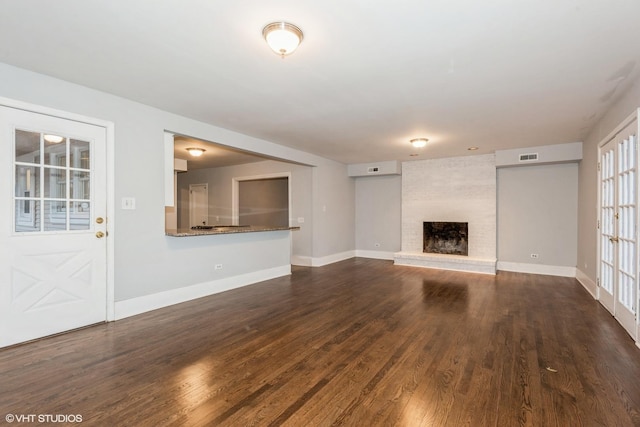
196,152
283,38
54,139
419,142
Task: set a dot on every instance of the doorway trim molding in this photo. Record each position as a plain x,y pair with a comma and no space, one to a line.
235,190
634,116
110,139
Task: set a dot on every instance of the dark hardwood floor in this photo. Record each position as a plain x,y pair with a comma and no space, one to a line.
360,342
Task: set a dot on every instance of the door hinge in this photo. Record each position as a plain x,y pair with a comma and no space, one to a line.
598,282
598,166
598,225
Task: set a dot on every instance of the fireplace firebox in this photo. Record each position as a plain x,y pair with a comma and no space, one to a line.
446,238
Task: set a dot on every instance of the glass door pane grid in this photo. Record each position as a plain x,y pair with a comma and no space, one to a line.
606,274
627,223
607,217
52,207
627,154
627,291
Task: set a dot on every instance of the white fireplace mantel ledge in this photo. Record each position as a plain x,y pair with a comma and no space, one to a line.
446,262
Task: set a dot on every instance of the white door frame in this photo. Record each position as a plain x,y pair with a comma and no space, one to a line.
110,139
635,116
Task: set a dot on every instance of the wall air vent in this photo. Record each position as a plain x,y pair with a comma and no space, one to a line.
392,167
532,157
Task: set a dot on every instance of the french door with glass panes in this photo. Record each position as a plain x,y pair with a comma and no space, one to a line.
53,258
618,245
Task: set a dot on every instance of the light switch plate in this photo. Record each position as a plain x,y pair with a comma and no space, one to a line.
128,203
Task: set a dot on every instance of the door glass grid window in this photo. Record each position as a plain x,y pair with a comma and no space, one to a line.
607,212
627,222
52,183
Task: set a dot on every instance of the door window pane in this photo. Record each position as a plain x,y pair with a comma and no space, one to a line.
27,216
55,150
80,185
27,146
55,183
80,216
80,154
55,216
27,181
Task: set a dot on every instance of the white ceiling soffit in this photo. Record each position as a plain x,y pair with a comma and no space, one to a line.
214,155
369,75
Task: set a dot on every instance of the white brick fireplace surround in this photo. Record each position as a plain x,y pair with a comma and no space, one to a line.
458,189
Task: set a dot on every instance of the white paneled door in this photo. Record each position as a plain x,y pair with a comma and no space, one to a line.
53,245
618,244
198,205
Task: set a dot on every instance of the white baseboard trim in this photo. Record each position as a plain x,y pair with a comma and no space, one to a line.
550,270
304,261
330,259
374,254
134,306
587,283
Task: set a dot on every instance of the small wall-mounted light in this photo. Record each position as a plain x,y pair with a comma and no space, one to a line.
54,139
196,152
472,148
419,142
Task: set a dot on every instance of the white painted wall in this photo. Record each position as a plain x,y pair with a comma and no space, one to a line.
628,101
148,262
537,213
457,189
333,212
378,215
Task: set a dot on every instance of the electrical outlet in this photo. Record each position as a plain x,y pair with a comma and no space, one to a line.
218,267
534,256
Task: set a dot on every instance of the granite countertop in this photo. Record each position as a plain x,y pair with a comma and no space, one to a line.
224,229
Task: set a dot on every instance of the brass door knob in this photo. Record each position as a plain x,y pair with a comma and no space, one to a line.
99,234
99,220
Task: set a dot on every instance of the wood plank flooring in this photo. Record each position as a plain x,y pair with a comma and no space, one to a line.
359,343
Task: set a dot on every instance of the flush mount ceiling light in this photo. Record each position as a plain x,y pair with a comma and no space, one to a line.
195,152
283,38
472,148
419,142
54,139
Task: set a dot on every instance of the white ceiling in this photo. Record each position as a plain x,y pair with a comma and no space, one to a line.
369,75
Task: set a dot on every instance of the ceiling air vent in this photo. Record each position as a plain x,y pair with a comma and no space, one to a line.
532,157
